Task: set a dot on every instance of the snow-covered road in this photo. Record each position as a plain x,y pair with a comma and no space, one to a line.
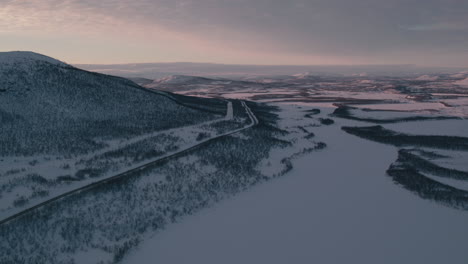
135,168
179,130
229,111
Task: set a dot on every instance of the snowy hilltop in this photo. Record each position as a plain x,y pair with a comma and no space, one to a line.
26,58
51,107
177,79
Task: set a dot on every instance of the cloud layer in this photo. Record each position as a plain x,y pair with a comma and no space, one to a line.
331,31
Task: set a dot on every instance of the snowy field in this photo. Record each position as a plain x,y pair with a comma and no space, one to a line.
341,204
303,168
336,206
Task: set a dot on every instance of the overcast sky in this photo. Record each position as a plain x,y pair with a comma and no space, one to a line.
424,32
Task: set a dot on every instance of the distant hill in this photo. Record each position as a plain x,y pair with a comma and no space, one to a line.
463,83
177,83
233,71
183,79
140,81
50,107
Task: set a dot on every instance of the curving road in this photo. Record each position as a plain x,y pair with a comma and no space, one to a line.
253,122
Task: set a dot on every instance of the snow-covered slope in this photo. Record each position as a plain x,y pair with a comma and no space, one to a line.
26,59
180,79
463,83
305,75
141,81
180,83
427,78
47,106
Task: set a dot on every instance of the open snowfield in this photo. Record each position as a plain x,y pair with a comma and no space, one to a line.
452,127
336,206
303,168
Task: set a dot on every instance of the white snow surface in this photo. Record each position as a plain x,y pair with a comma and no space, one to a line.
414,106
335,206
26,57
229,111
459,75
303,75
461,185
450,127
463,83
427,78
178,79
451,107
175,79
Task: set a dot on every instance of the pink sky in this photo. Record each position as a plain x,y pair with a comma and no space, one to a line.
238,31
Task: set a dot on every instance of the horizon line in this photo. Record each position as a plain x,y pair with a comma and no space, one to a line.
269,65
247,64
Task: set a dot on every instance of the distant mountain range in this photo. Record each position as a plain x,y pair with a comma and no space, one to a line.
160,70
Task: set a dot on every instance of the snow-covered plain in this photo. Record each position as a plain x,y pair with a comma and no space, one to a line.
451,127
334,203
336,206
463,83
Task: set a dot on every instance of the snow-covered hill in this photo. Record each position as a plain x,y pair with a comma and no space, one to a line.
194,80
180,79
26,59
427,78
181,83
463,83
305,75
49,107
